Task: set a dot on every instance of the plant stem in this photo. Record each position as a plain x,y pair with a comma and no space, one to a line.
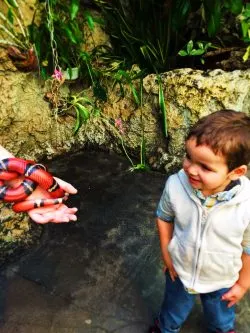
120,137
21,44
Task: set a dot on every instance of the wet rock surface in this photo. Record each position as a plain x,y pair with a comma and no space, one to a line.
103,273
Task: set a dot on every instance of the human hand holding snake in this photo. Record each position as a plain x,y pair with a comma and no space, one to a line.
55,213
34,190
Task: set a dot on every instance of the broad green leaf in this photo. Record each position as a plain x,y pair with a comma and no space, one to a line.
90,20
196,52
83,112
70,34
190,46
201,45
212,9
182,53
180,11
244,27
74,8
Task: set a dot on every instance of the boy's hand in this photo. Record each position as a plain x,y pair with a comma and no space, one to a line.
234,294
169,266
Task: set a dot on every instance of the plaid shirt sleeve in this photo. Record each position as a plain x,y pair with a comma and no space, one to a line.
165,211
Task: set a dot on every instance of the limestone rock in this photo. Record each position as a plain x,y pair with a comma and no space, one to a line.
31,129
17,233
192,94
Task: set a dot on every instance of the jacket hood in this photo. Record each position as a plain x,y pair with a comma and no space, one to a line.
243,193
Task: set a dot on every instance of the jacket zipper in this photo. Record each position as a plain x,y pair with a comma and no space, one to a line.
200,240
197,253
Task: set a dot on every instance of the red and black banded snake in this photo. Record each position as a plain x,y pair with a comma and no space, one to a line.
34,175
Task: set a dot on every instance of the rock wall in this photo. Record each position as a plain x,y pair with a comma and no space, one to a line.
191,94
30,129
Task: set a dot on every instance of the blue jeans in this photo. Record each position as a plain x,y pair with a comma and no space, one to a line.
178,303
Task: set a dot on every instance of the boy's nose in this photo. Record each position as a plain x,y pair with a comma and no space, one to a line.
192,170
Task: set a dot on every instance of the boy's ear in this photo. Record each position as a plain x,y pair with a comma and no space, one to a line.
238,172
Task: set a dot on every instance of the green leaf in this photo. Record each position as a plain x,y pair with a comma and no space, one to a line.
163,107
74,8
182,53
10,16
244,27
83,111
70,35
12,3
78,122
247,54
235,6
213,15
90,20
84,100
195,52
135,94
180,12
200,45
190,46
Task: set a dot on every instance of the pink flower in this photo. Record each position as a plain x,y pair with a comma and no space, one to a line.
119,125
58,75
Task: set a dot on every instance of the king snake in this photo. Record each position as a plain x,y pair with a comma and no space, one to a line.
34,175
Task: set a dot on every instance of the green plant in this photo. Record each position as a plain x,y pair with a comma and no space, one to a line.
162,105
124,78
83,106
15,37
214,12
13,27
144,31
62,24
142,166
244,19
151,32
201,48
94,75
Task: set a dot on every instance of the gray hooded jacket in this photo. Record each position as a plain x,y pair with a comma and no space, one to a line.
207,245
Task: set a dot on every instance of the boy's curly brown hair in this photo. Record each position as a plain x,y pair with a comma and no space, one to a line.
226,132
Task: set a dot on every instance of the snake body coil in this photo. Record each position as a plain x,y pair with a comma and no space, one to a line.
34,175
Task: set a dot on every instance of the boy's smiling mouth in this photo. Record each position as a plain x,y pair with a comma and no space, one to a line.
193,181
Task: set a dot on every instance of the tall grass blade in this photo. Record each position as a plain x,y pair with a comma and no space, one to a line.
163,107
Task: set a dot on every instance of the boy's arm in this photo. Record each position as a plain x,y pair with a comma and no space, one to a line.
239,289
165,230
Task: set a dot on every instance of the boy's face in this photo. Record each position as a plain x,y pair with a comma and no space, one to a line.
206,170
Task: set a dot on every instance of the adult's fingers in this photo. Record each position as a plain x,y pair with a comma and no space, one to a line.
67,187
62,215
46,218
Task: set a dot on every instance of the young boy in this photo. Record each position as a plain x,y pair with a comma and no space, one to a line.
203,220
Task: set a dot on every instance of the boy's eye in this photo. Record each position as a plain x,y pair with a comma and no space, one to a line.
205,167
187,156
